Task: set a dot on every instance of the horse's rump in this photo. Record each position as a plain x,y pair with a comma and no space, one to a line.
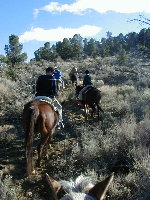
90,94
42,110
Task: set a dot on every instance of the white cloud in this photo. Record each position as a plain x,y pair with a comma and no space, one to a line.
35,13
58,34
101,6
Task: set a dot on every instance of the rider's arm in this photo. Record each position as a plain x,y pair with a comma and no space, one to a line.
54,87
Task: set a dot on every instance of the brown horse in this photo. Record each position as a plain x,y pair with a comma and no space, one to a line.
82,188
73,78
91,99
38,116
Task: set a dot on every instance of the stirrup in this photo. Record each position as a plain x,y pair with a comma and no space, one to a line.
79,102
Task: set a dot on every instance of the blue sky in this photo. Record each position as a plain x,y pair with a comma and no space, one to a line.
40,21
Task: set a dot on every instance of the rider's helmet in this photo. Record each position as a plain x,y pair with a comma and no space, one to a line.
87,71
49,69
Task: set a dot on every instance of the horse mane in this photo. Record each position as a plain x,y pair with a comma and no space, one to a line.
80,184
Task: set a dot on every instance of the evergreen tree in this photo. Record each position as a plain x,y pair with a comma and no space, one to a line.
64,49
92,48
77,46
2,59
45,53
131,40
13,51
122,57
85,48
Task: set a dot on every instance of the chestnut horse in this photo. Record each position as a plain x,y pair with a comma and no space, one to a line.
38,116
91,98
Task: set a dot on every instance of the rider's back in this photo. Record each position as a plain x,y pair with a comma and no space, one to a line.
46,86
87,80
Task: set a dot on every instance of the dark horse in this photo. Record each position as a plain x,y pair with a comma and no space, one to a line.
91,99
38,116
73,78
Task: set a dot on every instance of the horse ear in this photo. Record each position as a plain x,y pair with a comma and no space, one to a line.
100,189
54,187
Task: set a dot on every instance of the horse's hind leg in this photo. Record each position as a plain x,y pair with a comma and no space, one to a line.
43,143
93,110
48,145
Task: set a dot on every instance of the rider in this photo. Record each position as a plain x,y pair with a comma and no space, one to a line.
58,76
87,83
74,70
73,73
46,88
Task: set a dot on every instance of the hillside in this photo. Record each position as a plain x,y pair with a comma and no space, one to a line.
119,143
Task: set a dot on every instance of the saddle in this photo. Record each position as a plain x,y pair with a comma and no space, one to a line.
47,100
88,89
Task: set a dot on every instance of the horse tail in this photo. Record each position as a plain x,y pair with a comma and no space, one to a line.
32,117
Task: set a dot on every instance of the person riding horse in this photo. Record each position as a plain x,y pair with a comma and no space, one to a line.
41,115
89,97
73,75
87,84
46,87
60,81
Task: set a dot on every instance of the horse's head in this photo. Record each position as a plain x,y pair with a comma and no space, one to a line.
82,188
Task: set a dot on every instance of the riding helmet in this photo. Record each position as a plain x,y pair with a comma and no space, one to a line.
87,71
50,69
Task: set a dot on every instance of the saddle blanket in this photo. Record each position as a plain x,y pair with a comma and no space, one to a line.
47,100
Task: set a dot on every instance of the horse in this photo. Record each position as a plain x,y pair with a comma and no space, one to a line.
91,99
73,78
38,116
82,188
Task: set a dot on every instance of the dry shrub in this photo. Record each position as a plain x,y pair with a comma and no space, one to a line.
113,102
7,134
123,149
139,102
98,83
7,93
125,99
7,87
7,189
125,90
